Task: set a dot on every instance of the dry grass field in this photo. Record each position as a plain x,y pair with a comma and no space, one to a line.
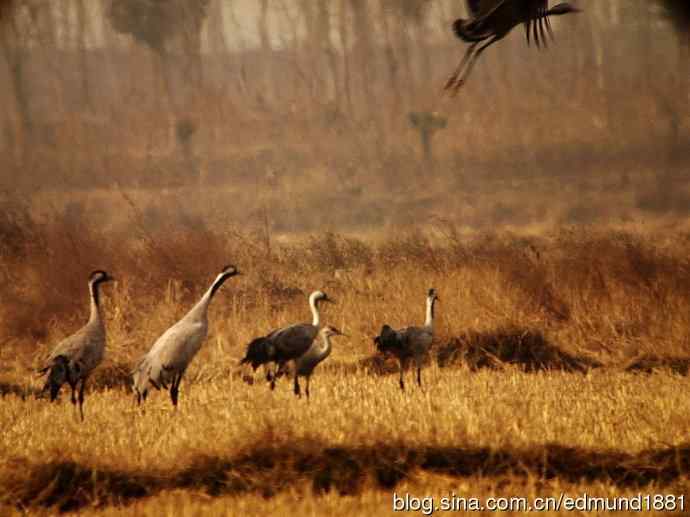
309,144
559,366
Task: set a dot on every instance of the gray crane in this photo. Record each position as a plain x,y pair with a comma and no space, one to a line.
286,343
172,353
317,352
411,342
492,20
73,360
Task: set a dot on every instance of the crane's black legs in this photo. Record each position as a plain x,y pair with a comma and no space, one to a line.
470,65
307,389
454,77
279,371
462,72
74,392
175,388
298,392
81,398
418,359
403,364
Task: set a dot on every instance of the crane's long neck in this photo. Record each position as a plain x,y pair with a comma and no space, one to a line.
200,310
325,350
94,295
429,322
316,318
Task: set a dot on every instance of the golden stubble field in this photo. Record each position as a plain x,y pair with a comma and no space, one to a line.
539,381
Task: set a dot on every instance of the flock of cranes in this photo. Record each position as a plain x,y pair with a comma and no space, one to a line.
306,345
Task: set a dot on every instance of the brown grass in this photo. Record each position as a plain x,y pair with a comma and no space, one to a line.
526,389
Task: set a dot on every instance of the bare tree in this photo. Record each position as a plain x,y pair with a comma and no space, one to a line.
18,28
344,31
169,28
82,31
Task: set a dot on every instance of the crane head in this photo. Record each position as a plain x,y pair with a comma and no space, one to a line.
98,276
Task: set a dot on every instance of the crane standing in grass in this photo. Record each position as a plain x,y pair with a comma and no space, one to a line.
318,351
73,360
492,20
171,354
411,342
287,343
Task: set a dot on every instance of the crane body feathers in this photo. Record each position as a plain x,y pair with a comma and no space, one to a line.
167,360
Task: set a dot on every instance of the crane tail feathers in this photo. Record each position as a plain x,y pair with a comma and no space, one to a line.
58,374
146,373
388,340
258,353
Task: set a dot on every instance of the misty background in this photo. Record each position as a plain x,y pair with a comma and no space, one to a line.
296,115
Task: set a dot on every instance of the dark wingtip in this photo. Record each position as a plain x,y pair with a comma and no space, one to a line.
257,353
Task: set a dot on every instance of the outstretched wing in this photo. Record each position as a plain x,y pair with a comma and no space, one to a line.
482,9
535,19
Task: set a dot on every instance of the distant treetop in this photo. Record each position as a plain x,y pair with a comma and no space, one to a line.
153,22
